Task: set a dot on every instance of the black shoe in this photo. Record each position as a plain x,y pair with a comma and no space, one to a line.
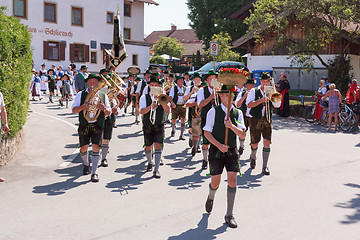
252,163
191,142
149,167
161,162
94,178
156,174
204,165
198,150
181,138
172,133
209,205
125,110
86,170
230,220
241,150
193,151
104,163
266,171
137,122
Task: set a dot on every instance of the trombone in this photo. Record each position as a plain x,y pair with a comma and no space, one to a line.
274,97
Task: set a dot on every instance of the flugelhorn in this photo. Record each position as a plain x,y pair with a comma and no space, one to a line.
273,95
160,98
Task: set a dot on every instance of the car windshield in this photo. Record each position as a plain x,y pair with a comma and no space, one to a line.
207,67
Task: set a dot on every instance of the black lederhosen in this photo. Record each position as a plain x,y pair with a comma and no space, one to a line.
219,160
190,115
128,96
89,132
205,140
108,129
154,133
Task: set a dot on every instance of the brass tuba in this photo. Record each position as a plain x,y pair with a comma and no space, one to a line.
116,93
93,99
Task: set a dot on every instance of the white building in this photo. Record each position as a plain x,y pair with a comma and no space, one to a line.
65,30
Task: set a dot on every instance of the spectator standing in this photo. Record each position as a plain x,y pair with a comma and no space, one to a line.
35,86
5,127
43,76
72,65
283,87
319,93
80,79
334,104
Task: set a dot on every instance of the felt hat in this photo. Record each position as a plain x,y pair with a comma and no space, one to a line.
154,78
179,77
104,70
250,81
224,89
111,67
171,75
43,64
138,79
50,70
65,75
147,72
93,75
186,73
83,67
196,75
203,84
265,76
211,72
151,67
166,72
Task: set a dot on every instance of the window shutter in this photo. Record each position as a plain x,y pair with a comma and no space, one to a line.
87,51
46,50
62,51
72,52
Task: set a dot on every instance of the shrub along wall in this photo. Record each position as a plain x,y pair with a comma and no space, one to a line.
15,70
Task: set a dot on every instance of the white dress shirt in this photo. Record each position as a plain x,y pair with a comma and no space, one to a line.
239,96
200,94
180,90
210,119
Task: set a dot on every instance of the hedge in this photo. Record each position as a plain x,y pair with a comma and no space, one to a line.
15,70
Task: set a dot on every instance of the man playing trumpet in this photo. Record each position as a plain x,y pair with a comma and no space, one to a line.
154,116
260,123
177,93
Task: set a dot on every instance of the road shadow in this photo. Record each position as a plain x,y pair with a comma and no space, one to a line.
352,204
190,182
130,135
181,160
72,145
71,174
125,124
134,156
201,231
136,178
249,181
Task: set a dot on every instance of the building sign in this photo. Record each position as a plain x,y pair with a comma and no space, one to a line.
50,31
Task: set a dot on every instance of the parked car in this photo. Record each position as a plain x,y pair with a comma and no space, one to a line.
218,65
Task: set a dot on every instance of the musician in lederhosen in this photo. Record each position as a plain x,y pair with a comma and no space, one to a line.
205,101
177,93
187,80
129,84
240,103
143,86
153,119
91,131
191,105
221,155
259,124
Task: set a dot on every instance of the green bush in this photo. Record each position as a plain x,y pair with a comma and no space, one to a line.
158,60
15,69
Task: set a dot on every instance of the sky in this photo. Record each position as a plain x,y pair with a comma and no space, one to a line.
168,12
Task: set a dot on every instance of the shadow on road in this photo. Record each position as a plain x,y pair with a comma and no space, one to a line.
189,182
127,184
54,189
352,204
134,156
130,135
201,232
248,181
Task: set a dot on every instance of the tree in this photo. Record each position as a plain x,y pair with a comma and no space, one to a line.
209,17
169,46
198,62
158,60
15,69
321,22
225,52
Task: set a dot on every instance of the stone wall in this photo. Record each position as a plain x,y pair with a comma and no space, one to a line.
10,147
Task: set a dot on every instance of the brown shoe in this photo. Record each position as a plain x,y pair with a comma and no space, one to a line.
230,220
209,205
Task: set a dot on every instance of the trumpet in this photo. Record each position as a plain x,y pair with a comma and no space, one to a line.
274,97
160,98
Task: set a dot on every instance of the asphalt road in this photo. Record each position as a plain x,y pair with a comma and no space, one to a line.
313,191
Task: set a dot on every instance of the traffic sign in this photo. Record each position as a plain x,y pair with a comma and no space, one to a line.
214,48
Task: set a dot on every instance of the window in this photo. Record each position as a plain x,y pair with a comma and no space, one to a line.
109,17
93,44
135,59
76,16
127,33
50,12
127,10
93,57
79,52
54,50
19,7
